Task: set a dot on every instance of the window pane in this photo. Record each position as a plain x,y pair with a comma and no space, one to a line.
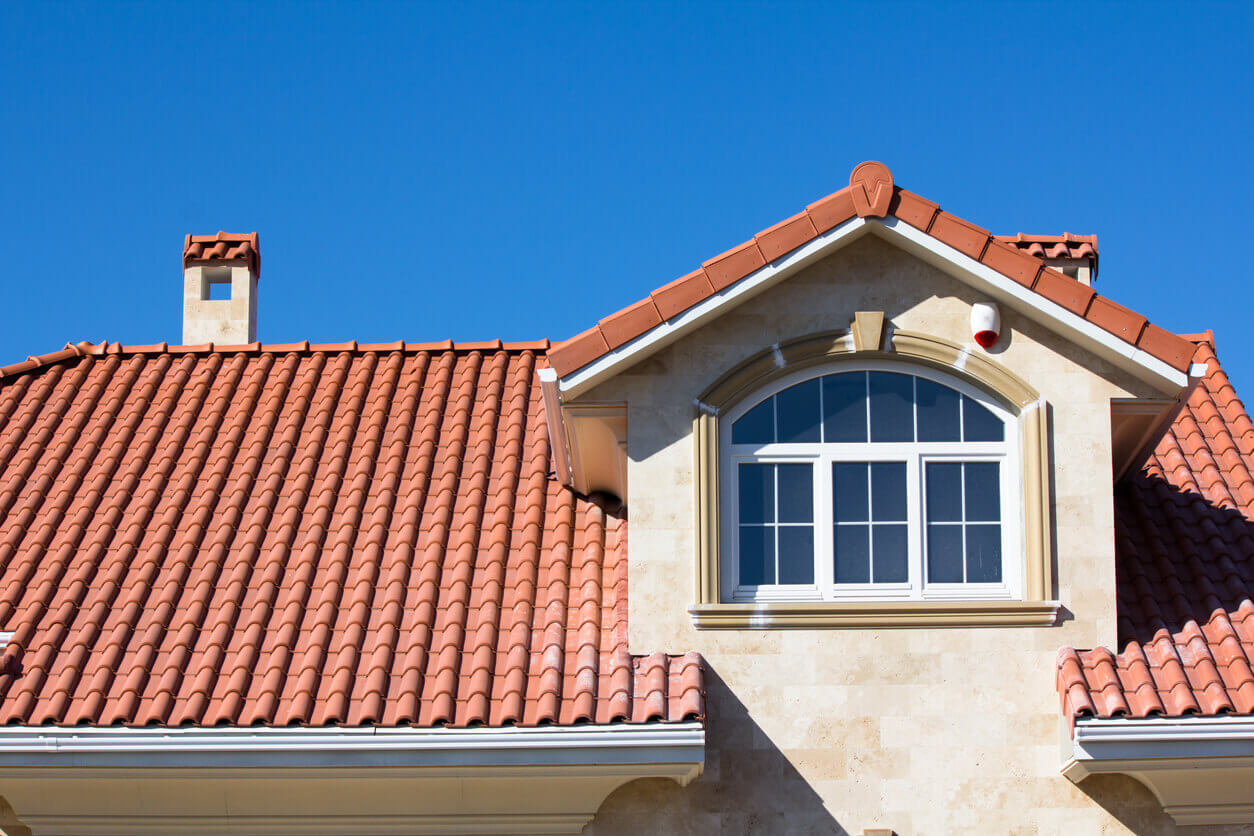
944,491
852,554
849,492
983,553
978,424
982,491
757,493
797,412
757,555
796,554
944,554
889,548
844,407
757,426
938,412
892,406
796,492
888,491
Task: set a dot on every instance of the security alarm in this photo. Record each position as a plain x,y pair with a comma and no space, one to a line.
985,324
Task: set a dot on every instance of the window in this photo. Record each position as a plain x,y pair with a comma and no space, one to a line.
889,482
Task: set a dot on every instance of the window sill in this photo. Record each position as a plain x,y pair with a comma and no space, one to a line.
855,614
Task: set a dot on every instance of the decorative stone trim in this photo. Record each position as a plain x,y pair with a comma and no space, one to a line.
1038,607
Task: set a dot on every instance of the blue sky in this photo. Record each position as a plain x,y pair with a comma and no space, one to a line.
520,170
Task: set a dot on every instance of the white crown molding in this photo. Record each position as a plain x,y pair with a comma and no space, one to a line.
1199,768
209,781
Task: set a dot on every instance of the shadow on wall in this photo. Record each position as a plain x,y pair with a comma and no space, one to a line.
1136,808
748,786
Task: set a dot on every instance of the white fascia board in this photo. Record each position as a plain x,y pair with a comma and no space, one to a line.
1141,364
1160,743
1101,342
591,746
660,336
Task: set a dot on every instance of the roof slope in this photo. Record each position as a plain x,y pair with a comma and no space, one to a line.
871,193
1185,570
312,535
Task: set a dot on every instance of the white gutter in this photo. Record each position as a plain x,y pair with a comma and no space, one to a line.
47,746
1200,768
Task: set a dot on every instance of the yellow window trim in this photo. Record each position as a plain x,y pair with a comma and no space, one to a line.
866,341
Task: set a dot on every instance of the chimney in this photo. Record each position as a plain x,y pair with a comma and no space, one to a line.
220,274
1071,255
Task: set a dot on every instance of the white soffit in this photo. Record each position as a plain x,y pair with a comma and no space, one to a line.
329,781
1128,357
1201,769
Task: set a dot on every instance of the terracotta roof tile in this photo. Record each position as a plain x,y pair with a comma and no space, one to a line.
1184,529
1065,247
1018,257
223,247
307,535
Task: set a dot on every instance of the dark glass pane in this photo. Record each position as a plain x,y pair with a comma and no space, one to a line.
938,411
757,493
888,491
852,554
983,553
796,554
796,492
757,426
978,424
892,406
944,491
889,549
944,554
983,489
844,407
849,492
797,413
757,555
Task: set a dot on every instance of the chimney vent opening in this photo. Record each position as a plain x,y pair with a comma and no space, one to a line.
217,284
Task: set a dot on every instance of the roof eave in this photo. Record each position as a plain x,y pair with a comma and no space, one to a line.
1144,366
1199,768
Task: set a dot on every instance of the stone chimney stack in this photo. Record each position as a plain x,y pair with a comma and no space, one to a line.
220,274
1071,255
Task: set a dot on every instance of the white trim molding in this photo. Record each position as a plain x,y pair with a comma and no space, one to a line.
1199,768
207,781
1005,290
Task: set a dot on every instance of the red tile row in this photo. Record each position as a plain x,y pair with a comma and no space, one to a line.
1185,571
307,535
223,247
1020,258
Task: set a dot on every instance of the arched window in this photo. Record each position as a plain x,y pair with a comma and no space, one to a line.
887,481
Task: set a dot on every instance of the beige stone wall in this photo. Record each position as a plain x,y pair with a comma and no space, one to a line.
919,730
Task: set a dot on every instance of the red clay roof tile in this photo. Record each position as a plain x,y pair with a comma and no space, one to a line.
223,247
307,535
1017,257
1184,535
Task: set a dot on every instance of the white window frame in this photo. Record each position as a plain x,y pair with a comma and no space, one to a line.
916,454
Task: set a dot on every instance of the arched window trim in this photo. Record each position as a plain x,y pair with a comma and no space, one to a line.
1036,608
1006,452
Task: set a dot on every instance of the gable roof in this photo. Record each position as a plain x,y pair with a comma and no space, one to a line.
307,535
871,195
1185,572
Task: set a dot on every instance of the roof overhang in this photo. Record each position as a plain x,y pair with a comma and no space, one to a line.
332,780
1144,366
1200,768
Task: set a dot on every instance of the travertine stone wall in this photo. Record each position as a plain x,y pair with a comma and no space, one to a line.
919,730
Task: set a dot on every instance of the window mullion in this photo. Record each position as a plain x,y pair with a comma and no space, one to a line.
915,522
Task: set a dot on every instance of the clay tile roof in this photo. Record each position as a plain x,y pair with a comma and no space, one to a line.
307,535
1184,528
1065,247
225,246
871,194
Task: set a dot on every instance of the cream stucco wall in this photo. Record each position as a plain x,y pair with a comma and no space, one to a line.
922,730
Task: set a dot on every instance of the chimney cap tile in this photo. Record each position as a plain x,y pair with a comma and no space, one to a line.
223,247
